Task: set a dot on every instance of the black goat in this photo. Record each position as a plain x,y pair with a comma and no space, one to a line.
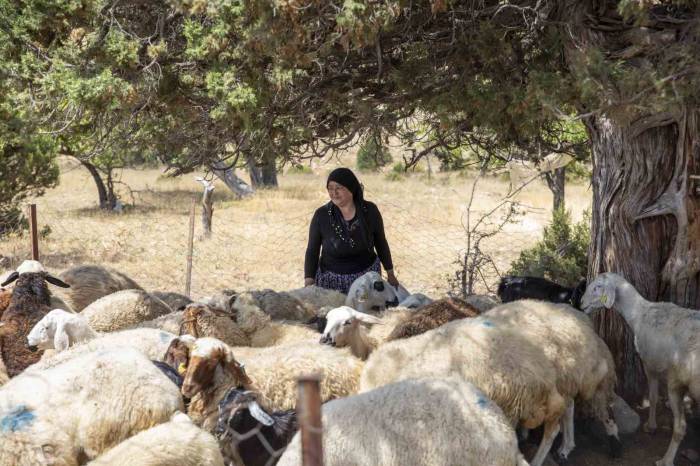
246,431
512,288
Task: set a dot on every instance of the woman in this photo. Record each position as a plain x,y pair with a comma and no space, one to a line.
347,231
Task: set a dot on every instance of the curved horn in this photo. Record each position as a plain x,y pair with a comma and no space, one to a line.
259,414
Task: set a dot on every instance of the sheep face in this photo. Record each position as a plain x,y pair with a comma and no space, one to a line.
371,292
600,293
177,355
41,335
235,408
208,357
343,324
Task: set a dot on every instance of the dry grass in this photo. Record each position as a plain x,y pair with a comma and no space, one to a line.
260,242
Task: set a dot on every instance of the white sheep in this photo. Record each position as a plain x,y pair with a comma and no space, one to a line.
371,292
583,362
507,367
667,338
124,309
71,413
317,297
213,369
416,421
151,342
59,330
177,442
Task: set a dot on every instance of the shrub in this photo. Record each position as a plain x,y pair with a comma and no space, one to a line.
562,253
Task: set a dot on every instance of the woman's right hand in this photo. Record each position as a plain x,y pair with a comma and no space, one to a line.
309,281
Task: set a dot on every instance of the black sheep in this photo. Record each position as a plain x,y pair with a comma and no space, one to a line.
512,288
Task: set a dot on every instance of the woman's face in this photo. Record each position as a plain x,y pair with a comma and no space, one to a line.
339,194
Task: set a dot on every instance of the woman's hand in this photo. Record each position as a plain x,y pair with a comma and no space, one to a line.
391,278
309,281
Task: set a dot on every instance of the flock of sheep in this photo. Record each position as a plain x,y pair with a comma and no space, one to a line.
112,374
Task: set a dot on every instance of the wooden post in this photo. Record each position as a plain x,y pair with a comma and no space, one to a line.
33,232
309,412
190,247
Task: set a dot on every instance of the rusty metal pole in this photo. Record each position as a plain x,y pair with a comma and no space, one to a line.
309,412
33,232
190,247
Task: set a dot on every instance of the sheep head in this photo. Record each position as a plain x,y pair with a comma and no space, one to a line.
232,411
206,357
371,292
30,268
177,355
600,293
343,325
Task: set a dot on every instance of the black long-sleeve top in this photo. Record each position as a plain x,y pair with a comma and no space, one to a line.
337,255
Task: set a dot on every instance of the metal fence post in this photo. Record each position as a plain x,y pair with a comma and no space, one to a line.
309,412
33,232
190,247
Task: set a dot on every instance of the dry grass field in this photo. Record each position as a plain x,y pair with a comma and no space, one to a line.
260,242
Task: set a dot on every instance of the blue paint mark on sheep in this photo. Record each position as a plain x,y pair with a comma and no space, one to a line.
487,323
482,402
17,419
164,337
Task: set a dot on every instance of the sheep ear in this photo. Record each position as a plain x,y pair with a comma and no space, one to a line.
60,338
608,296
259,414
57,282
13,276
366,318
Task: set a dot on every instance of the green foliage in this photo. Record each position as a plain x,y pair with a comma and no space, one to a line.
299,169
562,253
372,155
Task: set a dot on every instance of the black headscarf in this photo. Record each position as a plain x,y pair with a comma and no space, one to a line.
345,177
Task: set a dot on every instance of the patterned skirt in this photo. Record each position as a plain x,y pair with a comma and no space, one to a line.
341,281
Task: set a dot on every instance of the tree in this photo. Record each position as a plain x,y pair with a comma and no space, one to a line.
627,69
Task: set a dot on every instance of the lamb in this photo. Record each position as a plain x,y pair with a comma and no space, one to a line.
58,330
432,316
379,428
415,301
273,372
29,303
73,412
508,368
371,292
512,288
152,343
177,442
583,362
667,338
316,297
250,435
344,327
124,309
91,282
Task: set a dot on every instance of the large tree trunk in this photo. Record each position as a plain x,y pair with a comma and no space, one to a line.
263,174
556,180
645,214
645,221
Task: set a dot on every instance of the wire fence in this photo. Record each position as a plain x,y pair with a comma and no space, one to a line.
252,249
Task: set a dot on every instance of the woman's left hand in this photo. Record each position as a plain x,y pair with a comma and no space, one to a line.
391,278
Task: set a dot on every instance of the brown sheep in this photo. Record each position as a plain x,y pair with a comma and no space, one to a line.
91,282
5,296
432,316
30,302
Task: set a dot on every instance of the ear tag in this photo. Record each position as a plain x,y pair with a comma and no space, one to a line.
182,368
603,299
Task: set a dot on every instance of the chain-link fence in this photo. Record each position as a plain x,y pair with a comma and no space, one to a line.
260,243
